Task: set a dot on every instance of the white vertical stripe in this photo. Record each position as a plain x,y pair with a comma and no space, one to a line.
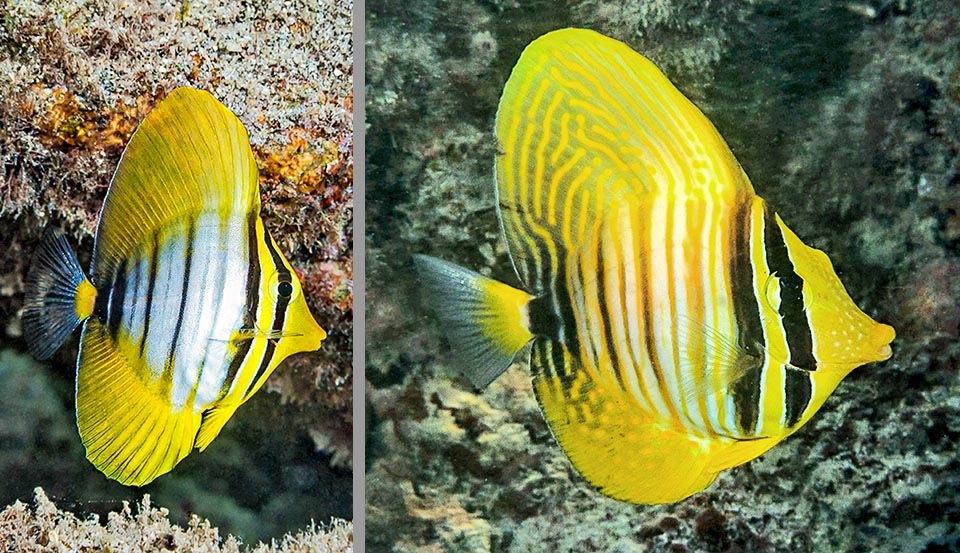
661,327
580,309
711,278
626,319
231,283
688,385
190,345
167,293
135,301
644,359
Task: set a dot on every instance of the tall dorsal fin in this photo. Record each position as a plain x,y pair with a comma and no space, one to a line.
585,122
189,155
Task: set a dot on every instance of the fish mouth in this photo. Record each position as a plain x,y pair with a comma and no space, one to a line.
884,334
885,352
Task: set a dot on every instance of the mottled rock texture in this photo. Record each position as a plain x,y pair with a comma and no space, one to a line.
47,528
78,76
846,116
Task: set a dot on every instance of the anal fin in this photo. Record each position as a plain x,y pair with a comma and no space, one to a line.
130,433
624,452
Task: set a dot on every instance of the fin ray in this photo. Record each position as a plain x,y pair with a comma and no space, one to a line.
129,432
483,318
51,311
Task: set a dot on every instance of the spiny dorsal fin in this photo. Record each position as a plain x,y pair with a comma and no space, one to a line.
585,123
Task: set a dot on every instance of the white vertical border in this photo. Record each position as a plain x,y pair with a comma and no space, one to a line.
359,278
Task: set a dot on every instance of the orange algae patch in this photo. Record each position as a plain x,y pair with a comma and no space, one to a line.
306,164
65,123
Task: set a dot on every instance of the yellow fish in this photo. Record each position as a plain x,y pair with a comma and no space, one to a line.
191,305
678,328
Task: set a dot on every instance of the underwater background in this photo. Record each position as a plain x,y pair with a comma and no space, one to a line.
846,117
77,77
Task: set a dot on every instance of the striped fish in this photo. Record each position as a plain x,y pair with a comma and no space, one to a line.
678,328
191,305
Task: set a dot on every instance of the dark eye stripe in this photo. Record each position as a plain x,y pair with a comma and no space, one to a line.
279,312
795,324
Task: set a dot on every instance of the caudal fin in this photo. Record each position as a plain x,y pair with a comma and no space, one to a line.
485,321
58,296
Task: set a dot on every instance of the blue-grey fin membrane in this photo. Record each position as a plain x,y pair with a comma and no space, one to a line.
456,295
49,313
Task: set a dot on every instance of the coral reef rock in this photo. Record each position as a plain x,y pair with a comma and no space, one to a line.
46,528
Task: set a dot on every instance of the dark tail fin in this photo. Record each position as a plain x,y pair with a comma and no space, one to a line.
59,296
485,320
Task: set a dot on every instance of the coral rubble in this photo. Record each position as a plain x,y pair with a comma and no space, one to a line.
47,528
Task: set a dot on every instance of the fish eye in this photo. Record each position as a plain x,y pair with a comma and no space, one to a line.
771,294
281,286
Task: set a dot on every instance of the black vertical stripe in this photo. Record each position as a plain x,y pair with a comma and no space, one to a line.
622,298
280,310
567,329
795,325
542,317
252,304
564,305
151,280
746,312
101,305
118,294
606,329
188,258
798,390
646,318
135,294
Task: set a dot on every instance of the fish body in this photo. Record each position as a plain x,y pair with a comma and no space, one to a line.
677,326
190,306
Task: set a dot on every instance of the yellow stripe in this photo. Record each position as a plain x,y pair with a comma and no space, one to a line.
541,150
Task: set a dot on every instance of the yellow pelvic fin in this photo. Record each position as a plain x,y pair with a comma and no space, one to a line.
213,422
625,453
130,433
733,453
189,155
